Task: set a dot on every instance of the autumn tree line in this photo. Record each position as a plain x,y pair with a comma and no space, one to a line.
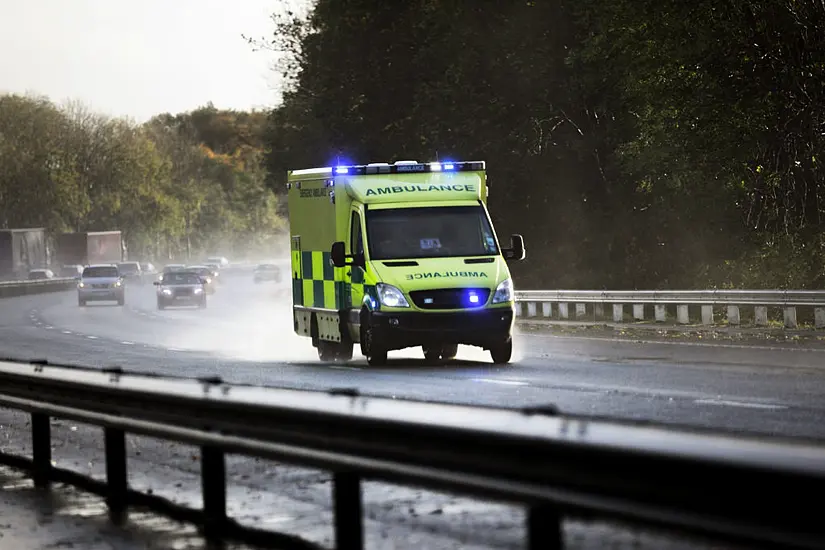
178,186
635,143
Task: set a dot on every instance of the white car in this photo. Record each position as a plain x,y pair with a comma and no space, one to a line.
101,282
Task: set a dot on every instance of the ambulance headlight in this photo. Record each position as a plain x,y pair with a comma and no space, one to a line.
504,292
390,296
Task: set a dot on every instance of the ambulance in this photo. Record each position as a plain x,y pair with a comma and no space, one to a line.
395,256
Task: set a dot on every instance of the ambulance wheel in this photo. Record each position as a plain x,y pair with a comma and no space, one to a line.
369,348
344,352
433,355
501,353
449,352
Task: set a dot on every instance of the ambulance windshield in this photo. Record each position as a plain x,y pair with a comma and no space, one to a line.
431,232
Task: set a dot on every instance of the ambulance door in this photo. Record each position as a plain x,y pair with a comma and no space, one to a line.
355,274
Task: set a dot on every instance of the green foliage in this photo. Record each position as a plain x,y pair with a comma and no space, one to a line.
635,143
177,186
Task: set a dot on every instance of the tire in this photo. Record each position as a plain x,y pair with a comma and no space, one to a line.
202,303
161,305
345,350
81,302
376,356
502,353
121,301
432,355
449,352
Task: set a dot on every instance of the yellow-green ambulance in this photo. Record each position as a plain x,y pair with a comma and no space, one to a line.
393,256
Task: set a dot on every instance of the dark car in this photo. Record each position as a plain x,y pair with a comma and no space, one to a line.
266,272
181,288
207,275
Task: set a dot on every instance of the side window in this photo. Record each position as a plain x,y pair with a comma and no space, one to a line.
356,237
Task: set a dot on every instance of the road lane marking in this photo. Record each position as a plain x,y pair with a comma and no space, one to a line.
126,343
501,381
66,331
336,367
742,404
90,337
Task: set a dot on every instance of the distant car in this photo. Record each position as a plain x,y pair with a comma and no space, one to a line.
216,271
148,269
266,272
207,275
71,271
171,268
40,274
219,260
101,282
181,288
130,272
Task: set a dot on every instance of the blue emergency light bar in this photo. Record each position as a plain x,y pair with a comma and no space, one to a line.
409,168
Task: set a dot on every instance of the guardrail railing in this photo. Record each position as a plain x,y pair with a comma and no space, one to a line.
553,465
9,289
661,300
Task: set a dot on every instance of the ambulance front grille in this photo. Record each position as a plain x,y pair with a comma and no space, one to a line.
450,298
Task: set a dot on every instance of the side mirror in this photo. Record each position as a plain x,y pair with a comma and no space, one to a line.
338,254
516,250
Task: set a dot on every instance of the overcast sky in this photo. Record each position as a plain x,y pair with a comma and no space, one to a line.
138,59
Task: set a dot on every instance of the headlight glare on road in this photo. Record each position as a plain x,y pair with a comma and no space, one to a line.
390,296
166,292
198,291
504,292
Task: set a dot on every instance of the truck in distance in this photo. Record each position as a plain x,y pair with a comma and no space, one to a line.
393,256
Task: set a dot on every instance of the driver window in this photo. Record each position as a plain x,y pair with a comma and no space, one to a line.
356,237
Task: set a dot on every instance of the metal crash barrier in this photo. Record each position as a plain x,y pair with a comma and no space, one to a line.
555,466
10,289
590,304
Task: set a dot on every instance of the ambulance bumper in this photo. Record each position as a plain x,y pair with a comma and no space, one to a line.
483,327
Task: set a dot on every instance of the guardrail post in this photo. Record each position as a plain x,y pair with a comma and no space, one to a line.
618,313
661,313
213,485
760,316
639,312
517,309
683,314
563,312
531,309
598,311
544,529
707,315
347,505
546,309
790,317
581,310
819,317
733,315
116,477
41,449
